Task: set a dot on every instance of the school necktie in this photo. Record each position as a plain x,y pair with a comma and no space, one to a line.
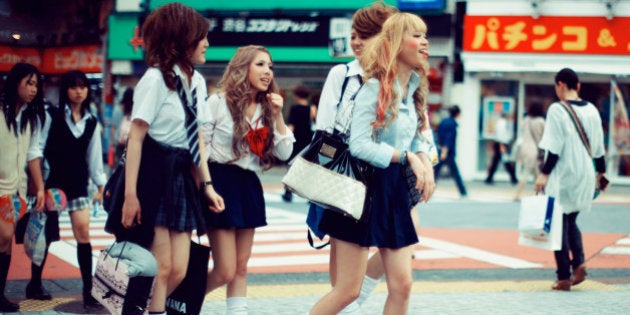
192,129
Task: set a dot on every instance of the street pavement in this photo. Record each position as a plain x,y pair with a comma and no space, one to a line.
467,260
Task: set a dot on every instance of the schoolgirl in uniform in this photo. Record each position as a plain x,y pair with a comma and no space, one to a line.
385,131
20,116
244,131
162,201
71,143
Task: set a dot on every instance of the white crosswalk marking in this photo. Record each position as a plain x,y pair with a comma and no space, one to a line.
282,243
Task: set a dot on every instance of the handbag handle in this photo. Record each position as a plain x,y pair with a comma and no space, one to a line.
117,258
578,126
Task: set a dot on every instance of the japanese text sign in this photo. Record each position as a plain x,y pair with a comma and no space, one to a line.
547,34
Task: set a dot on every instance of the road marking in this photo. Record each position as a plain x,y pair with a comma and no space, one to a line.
616,250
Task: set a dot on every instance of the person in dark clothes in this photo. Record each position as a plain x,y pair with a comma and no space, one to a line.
300,123
447,136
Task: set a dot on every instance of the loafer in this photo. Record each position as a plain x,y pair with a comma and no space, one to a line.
8,306
562,285
37,293
579,274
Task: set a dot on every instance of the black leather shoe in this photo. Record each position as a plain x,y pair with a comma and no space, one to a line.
8,306
37,293
90,302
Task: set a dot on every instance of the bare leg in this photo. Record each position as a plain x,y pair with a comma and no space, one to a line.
351,262
397,263
224,257
171,250
244,242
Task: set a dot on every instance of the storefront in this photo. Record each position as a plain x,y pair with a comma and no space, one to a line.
510,61
305,39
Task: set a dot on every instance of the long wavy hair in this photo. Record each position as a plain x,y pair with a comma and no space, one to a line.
70,79
171,34
238,94
380,61
10,98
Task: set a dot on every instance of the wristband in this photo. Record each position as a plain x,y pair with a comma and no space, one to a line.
206,183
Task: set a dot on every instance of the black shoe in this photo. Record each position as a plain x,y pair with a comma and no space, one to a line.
287,196
37,293
90,302
8,306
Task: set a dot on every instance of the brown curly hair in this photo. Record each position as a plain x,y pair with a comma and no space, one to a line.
171,34
237,89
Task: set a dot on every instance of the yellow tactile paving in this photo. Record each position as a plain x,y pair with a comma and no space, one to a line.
289,290
40,306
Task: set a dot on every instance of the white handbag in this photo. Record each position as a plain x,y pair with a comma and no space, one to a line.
325,187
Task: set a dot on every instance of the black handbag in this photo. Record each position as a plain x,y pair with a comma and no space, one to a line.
114,190
414,194
188,296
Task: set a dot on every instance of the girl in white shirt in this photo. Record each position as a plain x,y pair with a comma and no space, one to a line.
244,132
162,205
20,108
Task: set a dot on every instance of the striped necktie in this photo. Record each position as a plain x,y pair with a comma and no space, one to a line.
192,129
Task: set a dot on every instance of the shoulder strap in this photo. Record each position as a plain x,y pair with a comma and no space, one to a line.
578,126
343,86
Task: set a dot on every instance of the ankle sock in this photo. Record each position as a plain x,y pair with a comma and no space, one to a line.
368,285
236,306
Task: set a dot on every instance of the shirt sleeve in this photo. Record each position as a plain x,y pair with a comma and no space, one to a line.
329,98
148,96
282,144
206,117
95,158
34,147
554,135
362,144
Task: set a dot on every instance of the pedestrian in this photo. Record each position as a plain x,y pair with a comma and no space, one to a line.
300,124
71,145
163,168
20,122
244,131
528,157
501,144
389,113
568,173
120,129
447,138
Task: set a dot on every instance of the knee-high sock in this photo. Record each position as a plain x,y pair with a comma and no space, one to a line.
84,256
5,262
36,271
237,306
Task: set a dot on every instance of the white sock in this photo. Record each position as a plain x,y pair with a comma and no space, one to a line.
237,305
367,287
352,308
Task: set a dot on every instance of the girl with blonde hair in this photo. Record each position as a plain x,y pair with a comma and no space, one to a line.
386,130
244,132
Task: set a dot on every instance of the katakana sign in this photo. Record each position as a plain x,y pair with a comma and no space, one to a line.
547,34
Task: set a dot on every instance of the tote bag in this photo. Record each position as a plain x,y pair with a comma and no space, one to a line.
189,294
540,223
123,280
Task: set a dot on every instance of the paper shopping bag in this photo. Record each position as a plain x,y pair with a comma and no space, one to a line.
536,213
188,296
540,223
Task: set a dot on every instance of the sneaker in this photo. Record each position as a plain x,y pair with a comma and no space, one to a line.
287,196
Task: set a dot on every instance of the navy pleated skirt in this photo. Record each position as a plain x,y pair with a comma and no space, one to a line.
388,223
243,197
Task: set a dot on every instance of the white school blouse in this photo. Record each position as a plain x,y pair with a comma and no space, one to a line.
217,129
162,109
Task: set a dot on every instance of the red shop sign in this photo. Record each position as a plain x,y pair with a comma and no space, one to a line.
88,59
9,56
547,34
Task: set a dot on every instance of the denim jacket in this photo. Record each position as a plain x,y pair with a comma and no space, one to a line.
377,148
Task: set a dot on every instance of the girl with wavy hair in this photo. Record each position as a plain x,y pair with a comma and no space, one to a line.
387,122
21,115
244,132
162,182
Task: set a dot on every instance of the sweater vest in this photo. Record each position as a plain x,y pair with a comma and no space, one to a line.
13,158
67,155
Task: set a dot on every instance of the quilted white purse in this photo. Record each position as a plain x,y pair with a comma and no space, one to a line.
325,187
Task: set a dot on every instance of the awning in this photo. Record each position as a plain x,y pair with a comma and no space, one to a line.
508,62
